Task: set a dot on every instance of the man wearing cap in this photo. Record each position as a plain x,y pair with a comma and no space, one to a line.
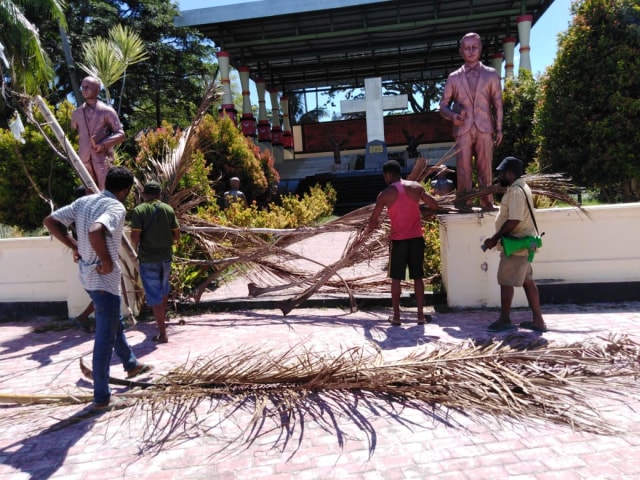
515,219
472,101
154,230
402,200
234,195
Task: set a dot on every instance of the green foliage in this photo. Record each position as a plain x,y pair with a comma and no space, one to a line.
431,234
156,145
589,109
519,101
293,212
30,68
229,153
20,202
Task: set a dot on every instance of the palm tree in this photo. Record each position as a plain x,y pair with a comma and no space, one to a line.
108,59
22,58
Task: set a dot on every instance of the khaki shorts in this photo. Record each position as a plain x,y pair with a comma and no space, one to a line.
513,271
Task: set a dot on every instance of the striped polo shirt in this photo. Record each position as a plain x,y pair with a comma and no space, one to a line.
102,208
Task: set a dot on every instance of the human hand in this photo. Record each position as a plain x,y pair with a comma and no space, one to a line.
104,267
498,139
489,243
98,148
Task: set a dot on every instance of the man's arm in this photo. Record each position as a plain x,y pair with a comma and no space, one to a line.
496,101
377,210
429,201
60,232
97,238
135,238
507,227
176,234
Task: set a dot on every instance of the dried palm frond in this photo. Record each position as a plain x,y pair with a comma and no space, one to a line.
556,187
517,379
513,380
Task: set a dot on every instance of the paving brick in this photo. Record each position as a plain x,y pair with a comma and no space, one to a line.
386,442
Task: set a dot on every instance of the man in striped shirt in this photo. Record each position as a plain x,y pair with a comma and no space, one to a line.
99,221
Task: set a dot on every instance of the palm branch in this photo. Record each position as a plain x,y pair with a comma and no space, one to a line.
518,379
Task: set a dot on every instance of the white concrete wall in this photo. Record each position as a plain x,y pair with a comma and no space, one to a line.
41,269
602,247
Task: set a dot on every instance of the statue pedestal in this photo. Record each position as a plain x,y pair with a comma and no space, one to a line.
375,155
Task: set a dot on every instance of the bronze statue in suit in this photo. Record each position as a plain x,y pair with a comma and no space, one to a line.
472,100
99,130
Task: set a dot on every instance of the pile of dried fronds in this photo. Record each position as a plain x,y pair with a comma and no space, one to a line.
517,379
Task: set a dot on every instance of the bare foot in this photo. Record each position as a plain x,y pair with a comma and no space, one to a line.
394,320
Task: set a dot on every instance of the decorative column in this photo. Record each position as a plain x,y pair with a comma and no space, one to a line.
287,135
227,107
496,62
524,34
276,129
264,128
508,45
248,122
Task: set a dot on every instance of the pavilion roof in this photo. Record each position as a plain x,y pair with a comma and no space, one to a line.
299,45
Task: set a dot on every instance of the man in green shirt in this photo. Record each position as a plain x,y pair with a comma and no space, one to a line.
154,230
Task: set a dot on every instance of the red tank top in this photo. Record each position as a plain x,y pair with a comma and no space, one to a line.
404,215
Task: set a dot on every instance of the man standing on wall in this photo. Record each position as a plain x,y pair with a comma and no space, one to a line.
99,130
154,230
99,224
402,200
472,100
515,219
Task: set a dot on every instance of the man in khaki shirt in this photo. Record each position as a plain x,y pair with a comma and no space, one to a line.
515,219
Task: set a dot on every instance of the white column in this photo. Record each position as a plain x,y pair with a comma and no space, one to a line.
508,45
287,136
248,122
276,129
264,128
227,107
496,62
524,34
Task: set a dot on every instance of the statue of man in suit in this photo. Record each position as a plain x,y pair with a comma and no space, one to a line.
99,130
472,100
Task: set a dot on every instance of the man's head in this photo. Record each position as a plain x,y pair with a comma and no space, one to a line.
234,183
509,170
471,48
152,188
90,87
391,171
119,182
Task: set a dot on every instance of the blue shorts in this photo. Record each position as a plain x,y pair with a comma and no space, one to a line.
155,281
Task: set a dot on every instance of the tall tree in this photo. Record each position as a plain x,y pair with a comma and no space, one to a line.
519,102
25,66
590,100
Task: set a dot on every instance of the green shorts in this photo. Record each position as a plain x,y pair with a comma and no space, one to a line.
513,271
406,253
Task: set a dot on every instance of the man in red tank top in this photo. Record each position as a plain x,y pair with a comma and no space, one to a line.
402,200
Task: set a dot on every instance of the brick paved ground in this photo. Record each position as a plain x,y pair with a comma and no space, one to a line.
362,438
370,440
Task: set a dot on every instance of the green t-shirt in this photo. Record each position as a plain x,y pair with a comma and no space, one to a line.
156,221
